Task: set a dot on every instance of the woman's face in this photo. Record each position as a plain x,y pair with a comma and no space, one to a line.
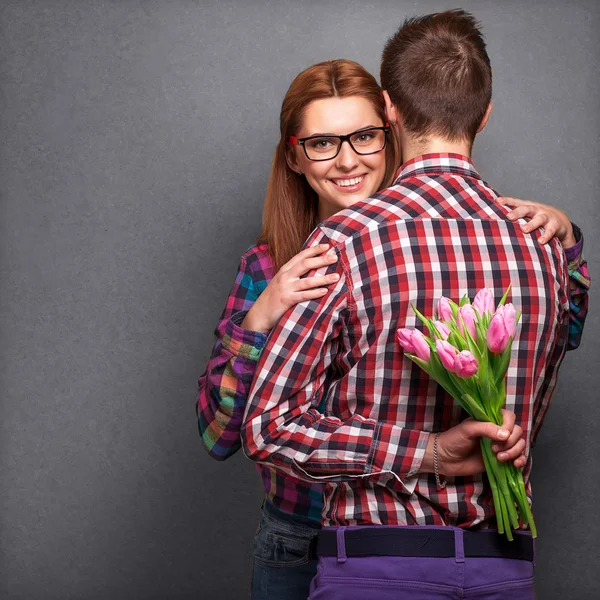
349,177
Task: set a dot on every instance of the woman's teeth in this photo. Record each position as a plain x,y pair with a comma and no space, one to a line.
348,182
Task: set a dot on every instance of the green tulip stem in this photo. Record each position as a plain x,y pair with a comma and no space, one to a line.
499,471
520,484
498,505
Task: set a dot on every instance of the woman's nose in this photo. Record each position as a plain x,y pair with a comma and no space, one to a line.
347,158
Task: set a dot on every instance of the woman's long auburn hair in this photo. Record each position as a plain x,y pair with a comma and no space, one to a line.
291,205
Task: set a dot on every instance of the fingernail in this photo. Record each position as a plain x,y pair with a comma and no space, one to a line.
525,228
495,447
502,433
334,277
502,456
332,257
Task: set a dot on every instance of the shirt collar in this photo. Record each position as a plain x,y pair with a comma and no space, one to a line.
436,163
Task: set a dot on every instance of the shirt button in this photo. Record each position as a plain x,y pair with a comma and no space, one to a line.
259,345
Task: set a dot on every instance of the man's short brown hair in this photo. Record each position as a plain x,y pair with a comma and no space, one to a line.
437,72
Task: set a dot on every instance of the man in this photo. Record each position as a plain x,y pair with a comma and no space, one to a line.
437,231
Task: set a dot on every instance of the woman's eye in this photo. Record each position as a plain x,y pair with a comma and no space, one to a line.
364,138
321,144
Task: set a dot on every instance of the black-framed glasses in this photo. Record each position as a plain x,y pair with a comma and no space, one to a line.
369,140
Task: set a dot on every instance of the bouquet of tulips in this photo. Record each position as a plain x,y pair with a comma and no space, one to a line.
467,352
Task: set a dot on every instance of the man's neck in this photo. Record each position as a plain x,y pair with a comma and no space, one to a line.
411,148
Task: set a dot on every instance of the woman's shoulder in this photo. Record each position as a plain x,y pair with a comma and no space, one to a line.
258,262
257,253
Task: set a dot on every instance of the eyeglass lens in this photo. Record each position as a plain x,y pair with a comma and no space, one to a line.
368,141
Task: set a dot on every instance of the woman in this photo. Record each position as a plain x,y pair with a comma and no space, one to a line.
313,176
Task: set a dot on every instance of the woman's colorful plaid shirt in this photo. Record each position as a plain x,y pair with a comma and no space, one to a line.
224,386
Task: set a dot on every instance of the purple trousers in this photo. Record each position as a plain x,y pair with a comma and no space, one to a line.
418,578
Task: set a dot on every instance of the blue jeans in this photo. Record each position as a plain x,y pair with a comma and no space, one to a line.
283,568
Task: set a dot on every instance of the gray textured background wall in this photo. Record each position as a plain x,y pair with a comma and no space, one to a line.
135,140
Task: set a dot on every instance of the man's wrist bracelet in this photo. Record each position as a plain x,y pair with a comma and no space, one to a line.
441,484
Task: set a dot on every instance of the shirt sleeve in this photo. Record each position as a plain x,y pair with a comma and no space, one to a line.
283,426
578,293
223,388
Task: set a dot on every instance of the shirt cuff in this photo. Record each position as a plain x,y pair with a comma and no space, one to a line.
242,342
396,455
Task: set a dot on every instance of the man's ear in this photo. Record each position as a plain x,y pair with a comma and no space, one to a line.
391,112
486,116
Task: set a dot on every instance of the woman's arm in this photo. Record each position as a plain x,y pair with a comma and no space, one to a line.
223,387
256,302
556,224
579,284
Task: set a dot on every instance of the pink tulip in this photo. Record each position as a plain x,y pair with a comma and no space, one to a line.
413,341
442,329
510,319
484,301
443,309
446,353
422,349
470,318
497,334
465,364
404,337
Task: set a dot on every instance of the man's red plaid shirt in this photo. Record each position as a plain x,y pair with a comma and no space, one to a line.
437,231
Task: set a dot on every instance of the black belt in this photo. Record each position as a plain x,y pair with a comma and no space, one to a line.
417,541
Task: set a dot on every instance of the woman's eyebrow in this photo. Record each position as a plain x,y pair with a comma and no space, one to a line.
335,134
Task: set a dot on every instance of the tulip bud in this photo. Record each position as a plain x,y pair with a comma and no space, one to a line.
404,337
442,329
484,301
465,364
510,319
413,341
469,317
421,347
497,334
446,353
443,309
